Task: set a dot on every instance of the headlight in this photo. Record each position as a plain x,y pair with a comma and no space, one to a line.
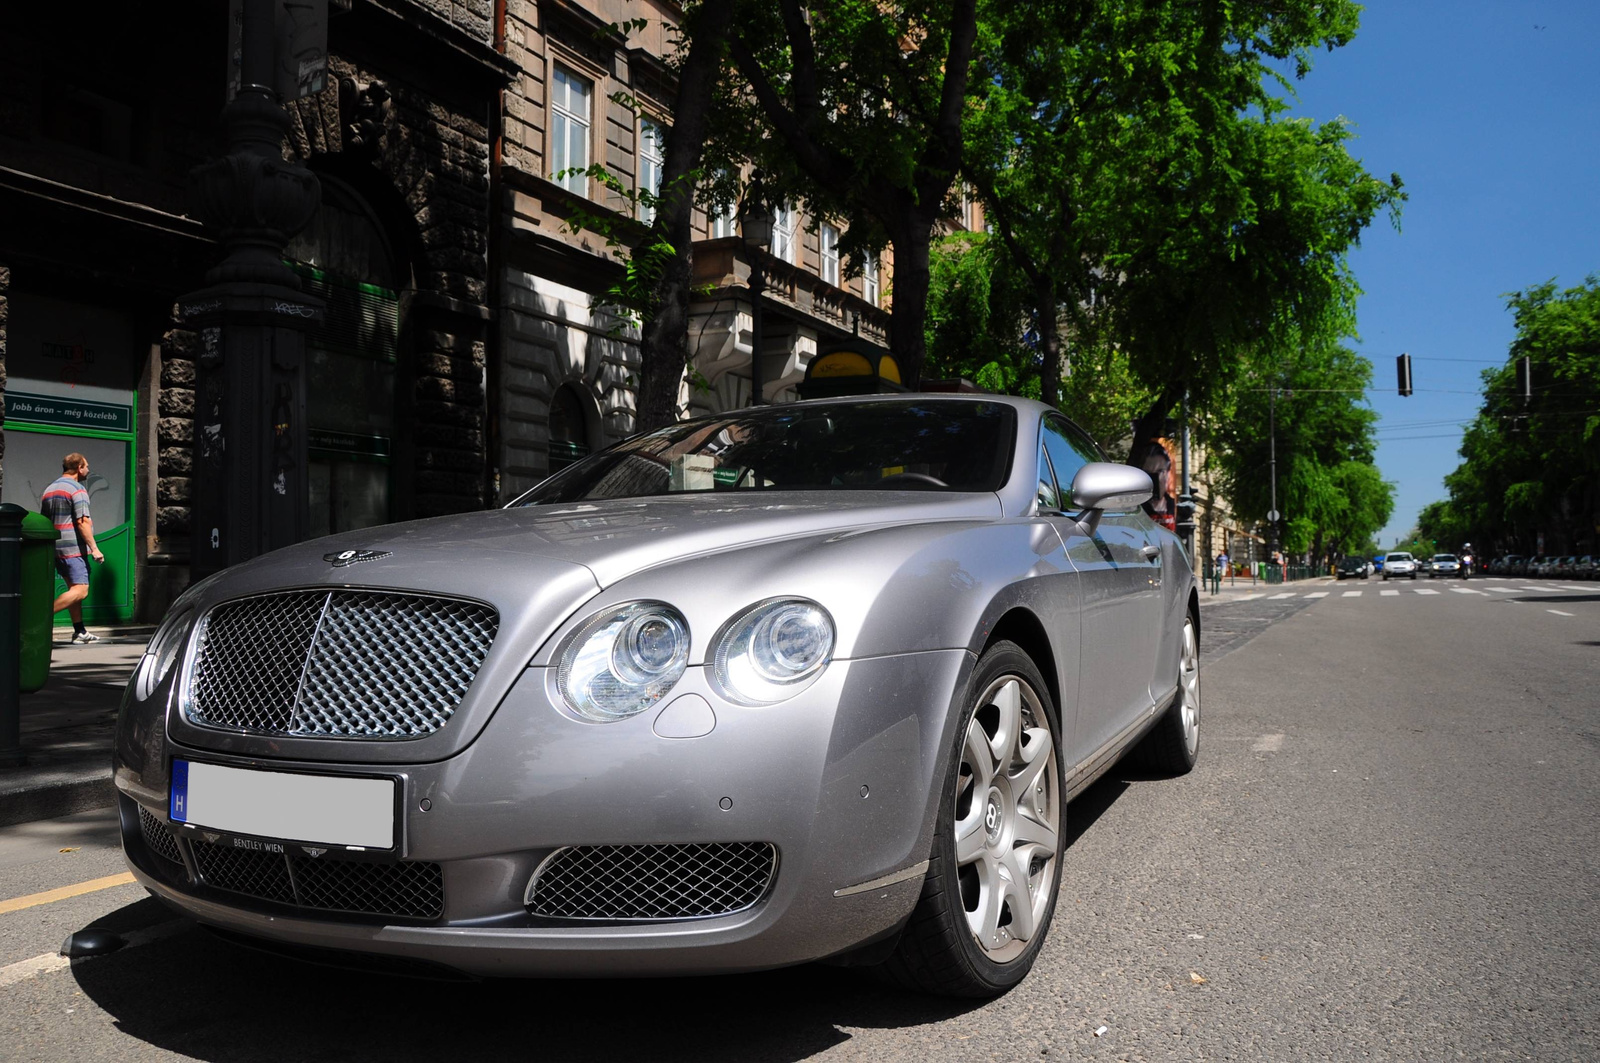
773,651
162,653
623,660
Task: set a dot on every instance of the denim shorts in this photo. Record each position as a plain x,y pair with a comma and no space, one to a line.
75,570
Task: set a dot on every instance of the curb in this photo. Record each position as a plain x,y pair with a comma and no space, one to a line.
60,793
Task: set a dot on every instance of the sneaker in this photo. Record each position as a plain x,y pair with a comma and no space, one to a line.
83,638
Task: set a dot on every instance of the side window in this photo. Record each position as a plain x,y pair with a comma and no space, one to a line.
1048,497
1069,451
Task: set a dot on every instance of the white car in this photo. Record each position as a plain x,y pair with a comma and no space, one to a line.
1399,564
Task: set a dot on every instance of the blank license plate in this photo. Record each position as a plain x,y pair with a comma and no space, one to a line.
330,809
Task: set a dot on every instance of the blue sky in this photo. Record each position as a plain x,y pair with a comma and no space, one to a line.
1494,126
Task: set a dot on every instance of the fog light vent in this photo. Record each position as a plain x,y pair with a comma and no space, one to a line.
651,882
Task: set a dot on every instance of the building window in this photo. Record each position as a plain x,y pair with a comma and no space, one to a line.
830,255
869,281
652,157
569,129
569,431
784,223
724,222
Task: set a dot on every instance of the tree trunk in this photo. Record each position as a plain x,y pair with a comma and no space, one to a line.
1046,321
909,311
664,339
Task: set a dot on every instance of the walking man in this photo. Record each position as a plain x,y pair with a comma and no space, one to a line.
66,503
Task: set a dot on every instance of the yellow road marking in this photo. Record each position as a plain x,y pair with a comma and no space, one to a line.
16,904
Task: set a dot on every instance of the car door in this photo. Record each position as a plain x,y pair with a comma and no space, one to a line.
1113,577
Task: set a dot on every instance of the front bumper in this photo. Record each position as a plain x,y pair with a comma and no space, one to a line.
841,780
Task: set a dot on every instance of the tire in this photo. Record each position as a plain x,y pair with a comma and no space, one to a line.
1173,744
969,888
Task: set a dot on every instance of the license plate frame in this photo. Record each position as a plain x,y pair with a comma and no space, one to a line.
354,812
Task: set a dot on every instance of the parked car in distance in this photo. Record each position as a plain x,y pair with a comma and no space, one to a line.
1398,564
799,682
1351,568
1424,564
1444,565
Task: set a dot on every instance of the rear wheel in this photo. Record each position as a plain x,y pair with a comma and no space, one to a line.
993,875
1173,744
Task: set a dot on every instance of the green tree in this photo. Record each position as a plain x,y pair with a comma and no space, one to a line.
858,108
1533,466
1330,493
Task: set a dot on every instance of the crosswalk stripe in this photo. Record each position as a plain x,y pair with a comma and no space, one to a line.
1504,590
1285,594
1465,590
1247,597
1390,594
1426,590
1566,588
1351,594
1531,590
1317,594
1558,612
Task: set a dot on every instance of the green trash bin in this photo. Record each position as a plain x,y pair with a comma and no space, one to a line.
38,594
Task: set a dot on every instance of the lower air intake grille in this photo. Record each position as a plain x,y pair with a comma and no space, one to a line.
405,889
652,881
157,837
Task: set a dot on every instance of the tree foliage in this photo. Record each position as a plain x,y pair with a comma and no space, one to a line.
857,108
1534,467
1331,495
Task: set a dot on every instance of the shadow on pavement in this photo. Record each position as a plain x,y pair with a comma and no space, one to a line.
201,997
1536,598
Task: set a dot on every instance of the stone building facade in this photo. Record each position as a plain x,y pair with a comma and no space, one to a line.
467,350
562,383
99,243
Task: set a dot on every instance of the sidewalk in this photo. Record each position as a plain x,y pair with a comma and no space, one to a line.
68,728
1242,587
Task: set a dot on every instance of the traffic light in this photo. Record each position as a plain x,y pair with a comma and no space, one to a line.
1402,366
1524,379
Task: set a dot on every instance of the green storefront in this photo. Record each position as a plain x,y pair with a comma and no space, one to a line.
72,370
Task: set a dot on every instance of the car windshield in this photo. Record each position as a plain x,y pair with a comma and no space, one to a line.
1444,557
1398,557
913,444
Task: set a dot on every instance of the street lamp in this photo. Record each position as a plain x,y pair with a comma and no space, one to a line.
755,228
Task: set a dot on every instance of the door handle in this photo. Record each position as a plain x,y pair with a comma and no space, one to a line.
1151,552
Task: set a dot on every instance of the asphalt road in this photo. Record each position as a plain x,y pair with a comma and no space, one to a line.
1390,851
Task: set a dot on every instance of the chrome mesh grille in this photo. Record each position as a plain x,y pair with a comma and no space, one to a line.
338,664
158,837
247,871
411,889
652,881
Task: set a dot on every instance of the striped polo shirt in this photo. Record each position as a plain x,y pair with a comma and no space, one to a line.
65,502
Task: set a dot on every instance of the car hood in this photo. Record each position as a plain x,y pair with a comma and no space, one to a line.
610,539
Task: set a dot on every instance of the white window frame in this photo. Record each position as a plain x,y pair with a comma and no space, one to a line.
869,280
652,160
828,241
570,127
785,227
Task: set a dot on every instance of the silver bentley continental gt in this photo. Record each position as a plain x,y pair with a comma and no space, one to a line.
803,682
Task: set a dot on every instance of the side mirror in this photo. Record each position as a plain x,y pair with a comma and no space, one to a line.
1102,485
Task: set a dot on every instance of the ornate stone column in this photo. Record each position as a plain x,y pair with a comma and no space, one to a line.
249,476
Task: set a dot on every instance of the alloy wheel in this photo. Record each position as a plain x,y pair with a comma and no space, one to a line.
1189,680
1007,819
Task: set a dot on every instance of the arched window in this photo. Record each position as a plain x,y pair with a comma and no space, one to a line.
569,428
